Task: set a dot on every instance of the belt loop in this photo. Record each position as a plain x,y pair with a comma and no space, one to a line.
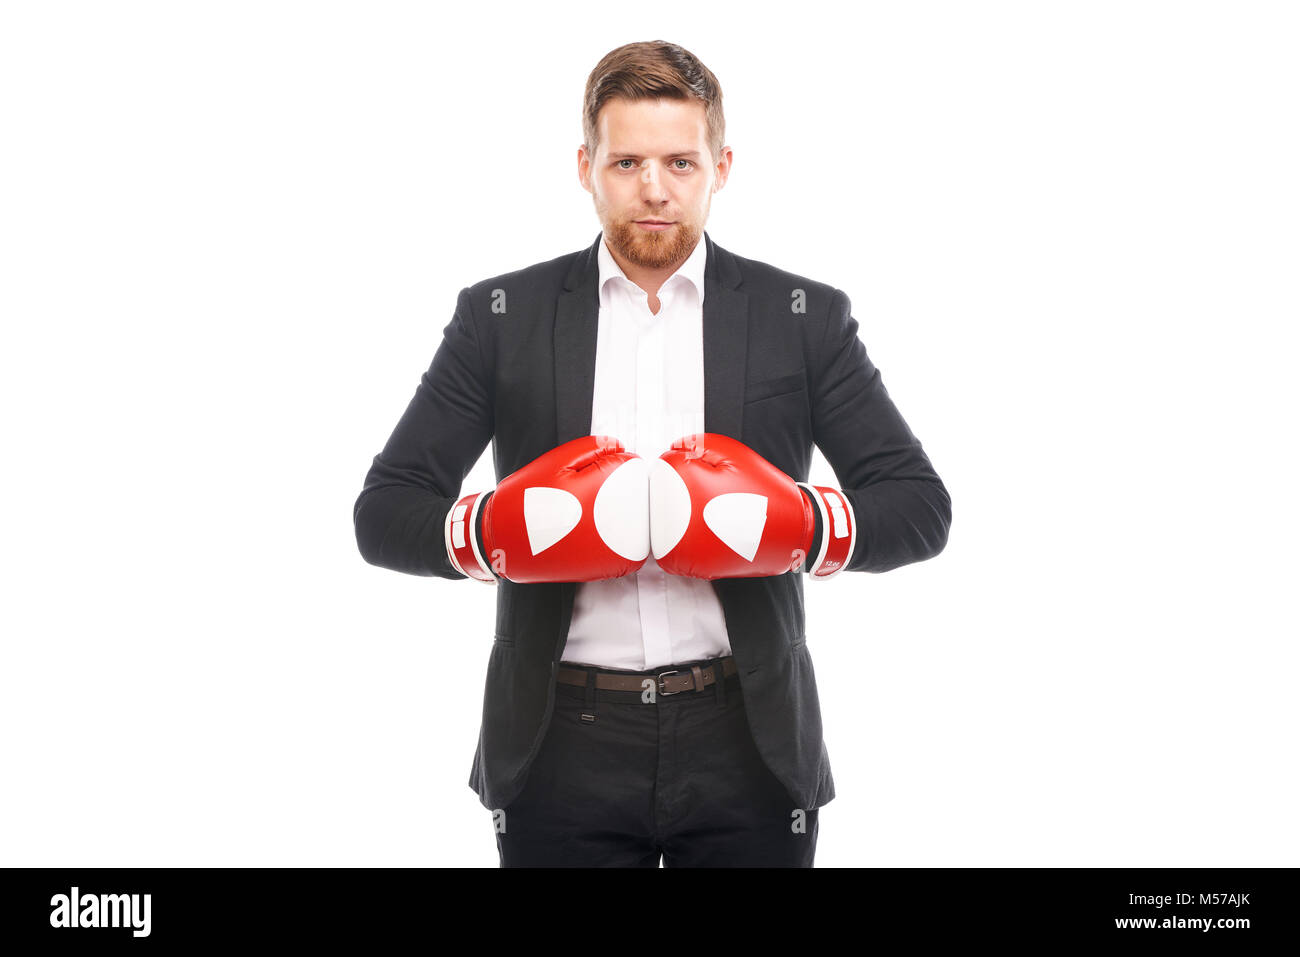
591,692
720,683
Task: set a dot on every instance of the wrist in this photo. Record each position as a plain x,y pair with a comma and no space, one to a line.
836,533
462,533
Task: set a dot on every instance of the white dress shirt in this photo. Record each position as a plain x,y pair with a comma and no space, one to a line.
648,392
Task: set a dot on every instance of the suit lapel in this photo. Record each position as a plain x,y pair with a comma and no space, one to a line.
577,312
726,342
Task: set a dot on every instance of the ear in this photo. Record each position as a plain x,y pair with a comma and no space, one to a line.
723,168
584,168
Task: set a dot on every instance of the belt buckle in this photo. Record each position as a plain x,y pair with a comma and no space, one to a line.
660,682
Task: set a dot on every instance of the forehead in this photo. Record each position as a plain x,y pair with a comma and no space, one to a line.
652,127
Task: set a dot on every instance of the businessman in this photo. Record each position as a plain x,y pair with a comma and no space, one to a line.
653,401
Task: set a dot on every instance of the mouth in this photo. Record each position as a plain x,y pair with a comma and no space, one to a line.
653,224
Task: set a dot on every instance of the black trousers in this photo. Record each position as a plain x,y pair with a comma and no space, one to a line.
620,781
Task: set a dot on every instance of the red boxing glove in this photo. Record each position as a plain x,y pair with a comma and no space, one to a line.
718,509
577,513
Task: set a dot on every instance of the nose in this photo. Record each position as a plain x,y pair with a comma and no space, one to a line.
651,186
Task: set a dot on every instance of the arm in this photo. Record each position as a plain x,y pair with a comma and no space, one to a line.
901,509
412,484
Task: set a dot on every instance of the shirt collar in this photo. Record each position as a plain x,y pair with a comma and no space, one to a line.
691,270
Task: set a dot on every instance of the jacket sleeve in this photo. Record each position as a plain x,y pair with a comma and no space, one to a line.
900,506
417,478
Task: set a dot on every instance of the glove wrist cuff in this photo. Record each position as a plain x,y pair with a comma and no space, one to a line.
462,540
839,532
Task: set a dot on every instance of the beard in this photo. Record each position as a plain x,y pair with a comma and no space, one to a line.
649,249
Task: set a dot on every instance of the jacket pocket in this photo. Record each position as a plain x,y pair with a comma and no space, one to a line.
769,388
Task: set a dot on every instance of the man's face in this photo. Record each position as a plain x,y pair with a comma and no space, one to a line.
652,164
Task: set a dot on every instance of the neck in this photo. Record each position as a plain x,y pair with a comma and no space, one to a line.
648,278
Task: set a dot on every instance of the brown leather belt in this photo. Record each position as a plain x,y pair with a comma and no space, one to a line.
673,681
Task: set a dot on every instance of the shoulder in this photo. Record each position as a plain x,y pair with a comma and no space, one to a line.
767,278
540,282
814,302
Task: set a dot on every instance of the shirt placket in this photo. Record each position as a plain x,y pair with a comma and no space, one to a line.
651,582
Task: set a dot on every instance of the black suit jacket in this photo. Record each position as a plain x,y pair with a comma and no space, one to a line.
784,369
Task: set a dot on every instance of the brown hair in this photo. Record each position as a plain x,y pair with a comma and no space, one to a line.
650,71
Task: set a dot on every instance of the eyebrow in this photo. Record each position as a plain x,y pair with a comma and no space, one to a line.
685,154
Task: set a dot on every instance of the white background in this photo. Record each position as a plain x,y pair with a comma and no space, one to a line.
232,234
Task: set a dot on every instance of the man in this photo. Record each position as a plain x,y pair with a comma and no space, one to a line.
653,401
